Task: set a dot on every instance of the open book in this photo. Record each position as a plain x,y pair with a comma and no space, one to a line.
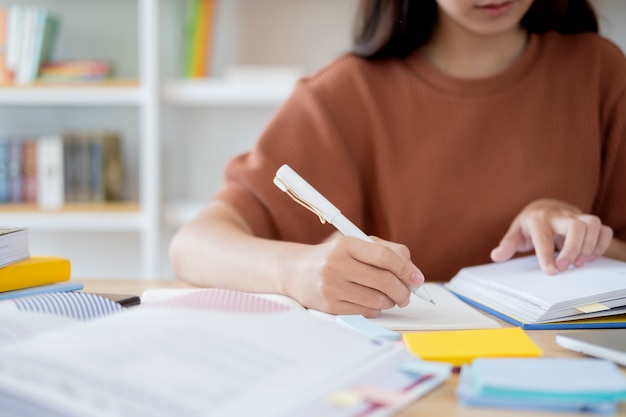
205,359
449,313
519,292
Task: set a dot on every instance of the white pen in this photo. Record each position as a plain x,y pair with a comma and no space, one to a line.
304,194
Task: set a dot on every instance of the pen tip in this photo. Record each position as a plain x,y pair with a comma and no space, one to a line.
432,301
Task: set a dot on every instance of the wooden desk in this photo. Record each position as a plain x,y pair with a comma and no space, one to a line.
440,402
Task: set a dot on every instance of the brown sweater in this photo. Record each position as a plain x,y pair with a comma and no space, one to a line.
439,164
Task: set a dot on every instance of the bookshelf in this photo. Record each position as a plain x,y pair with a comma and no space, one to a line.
96,237
166,121
177,133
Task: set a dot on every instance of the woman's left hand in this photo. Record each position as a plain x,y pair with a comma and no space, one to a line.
547,225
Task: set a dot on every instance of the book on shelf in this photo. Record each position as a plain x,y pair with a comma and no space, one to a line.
93,168
519,292
211,361
69,71
34,271
15,171
4,74
50,173
14,245
30,36
5,157
29,170
51,170
198,38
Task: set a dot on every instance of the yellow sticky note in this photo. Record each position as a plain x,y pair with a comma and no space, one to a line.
459,347
345,399
592,308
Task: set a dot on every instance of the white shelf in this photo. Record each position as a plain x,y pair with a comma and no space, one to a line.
177,213
218,92
78,221
71,95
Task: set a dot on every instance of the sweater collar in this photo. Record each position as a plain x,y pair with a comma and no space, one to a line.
480,86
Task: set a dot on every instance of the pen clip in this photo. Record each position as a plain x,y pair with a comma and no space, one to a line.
295,197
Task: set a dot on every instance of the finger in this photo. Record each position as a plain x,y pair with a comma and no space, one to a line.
338,285
361,293
347,307
602,243
402,250
512,241
391,273
574,236
541,237
593,226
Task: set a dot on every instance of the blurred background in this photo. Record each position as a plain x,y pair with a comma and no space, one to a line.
117,116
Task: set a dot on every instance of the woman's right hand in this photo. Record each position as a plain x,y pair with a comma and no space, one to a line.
347,275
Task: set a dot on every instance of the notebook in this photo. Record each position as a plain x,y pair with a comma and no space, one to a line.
606,344
449,313
549,384
519,292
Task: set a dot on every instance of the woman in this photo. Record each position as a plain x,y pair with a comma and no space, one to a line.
458,131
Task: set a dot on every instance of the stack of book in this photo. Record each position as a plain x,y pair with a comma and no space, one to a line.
27,36
23,274
70,71
548,384
76,167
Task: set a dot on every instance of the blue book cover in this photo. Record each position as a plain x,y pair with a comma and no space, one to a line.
41,289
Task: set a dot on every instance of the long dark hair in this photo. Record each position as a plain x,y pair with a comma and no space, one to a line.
385,28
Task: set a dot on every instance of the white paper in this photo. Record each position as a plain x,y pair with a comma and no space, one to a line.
178,362
449,313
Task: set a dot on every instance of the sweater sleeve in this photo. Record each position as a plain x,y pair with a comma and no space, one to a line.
304,134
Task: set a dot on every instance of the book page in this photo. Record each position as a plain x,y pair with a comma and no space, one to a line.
16,325
165,362
448,313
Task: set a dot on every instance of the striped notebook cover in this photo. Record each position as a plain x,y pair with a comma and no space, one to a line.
77,305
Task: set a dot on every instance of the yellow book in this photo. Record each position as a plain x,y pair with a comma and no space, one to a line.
459,347
34,271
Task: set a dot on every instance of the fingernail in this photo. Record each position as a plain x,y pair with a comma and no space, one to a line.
552,269
580,261
563,264
417,278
